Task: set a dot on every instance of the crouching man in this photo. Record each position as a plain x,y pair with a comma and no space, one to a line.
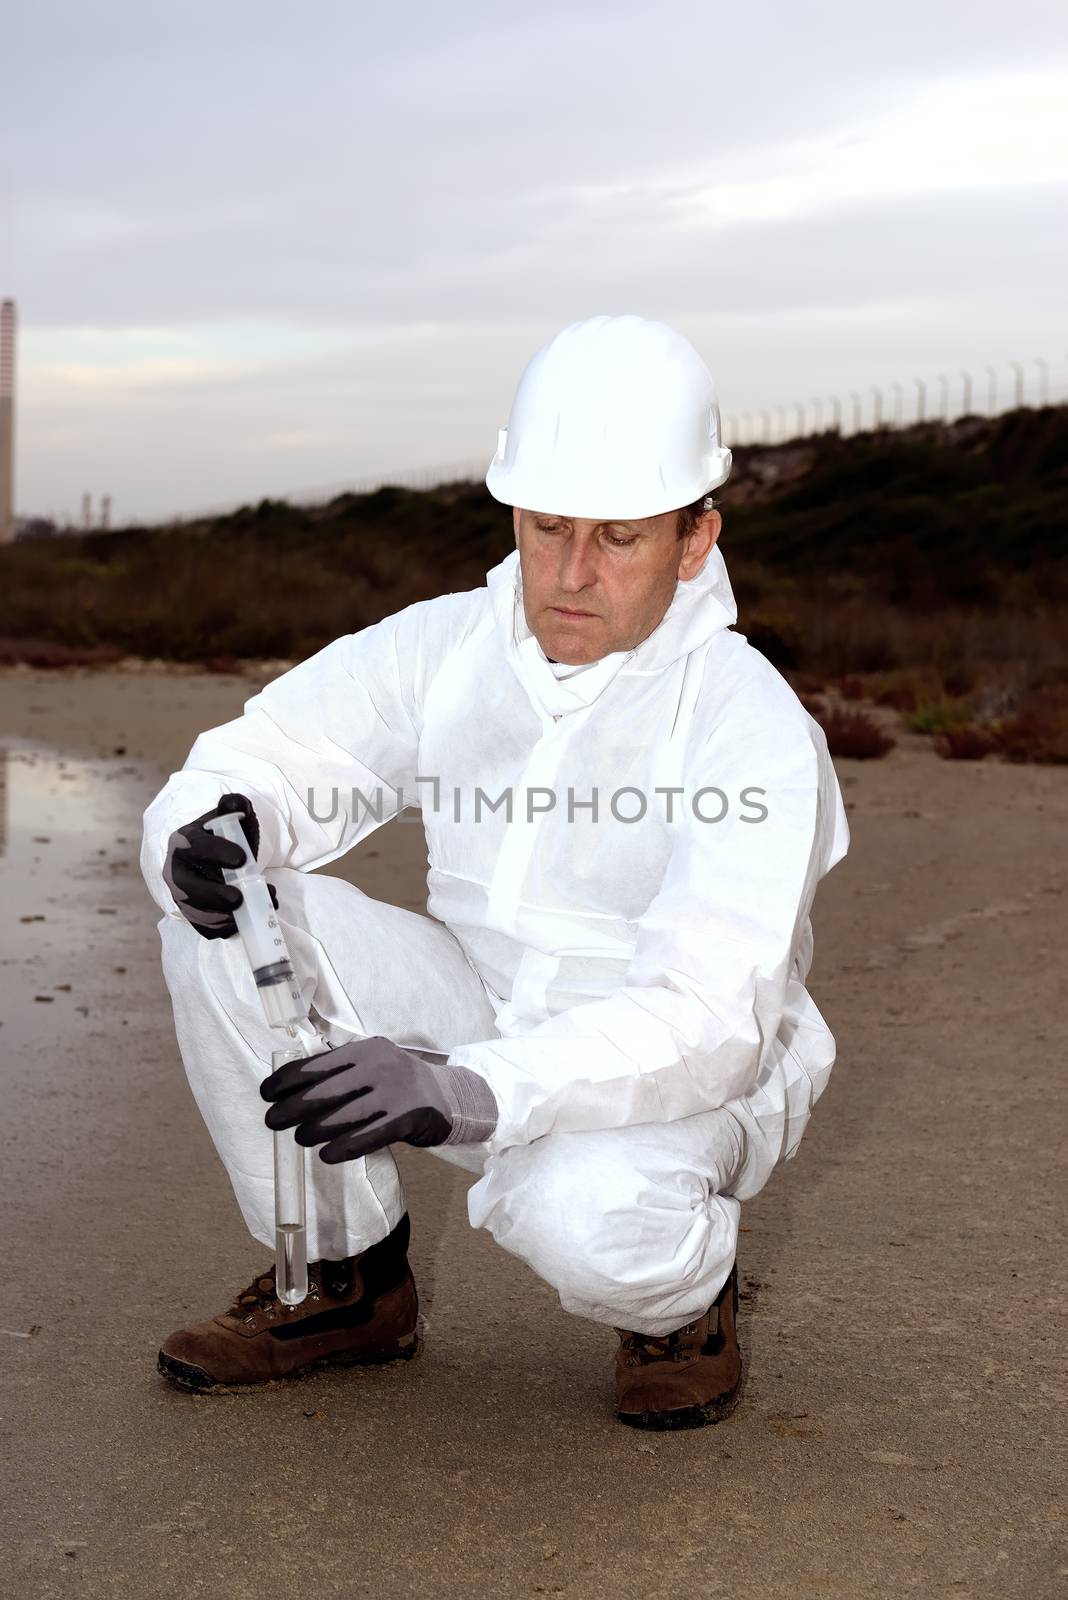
604,1015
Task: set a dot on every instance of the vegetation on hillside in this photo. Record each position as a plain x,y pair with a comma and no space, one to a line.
940,549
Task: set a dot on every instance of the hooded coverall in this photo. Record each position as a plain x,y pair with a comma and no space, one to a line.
622,863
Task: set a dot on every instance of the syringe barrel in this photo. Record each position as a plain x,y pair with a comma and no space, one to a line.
260,931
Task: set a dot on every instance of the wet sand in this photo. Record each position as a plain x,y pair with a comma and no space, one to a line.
898,1428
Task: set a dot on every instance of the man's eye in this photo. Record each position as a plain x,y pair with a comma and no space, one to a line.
613,539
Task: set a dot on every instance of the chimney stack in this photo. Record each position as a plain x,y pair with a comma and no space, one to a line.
7,421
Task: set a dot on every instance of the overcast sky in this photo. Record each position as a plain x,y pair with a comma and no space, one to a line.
261,249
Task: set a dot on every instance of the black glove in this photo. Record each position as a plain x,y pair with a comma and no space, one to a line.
193,869
371,1093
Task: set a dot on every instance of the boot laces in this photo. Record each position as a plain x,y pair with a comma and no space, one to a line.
654,1347
260,1295
642,1347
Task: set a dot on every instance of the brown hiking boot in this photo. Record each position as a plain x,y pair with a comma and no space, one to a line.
360,1309
686,1378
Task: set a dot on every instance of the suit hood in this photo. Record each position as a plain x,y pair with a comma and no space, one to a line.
701,607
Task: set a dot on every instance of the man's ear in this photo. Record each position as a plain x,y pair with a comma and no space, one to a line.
516,517
699,543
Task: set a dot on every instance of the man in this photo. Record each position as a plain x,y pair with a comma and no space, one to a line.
604,1015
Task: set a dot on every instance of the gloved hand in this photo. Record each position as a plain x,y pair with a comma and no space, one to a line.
193,869
370,1093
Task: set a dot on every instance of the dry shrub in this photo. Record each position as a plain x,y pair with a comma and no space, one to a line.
900,697
969,742
53,656
906,689
851,688
855,734
1039,735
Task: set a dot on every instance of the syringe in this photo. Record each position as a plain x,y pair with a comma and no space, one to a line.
283,1006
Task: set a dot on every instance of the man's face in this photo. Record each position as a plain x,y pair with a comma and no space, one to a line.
591,588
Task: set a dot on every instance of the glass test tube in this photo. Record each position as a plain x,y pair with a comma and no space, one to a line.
290,1230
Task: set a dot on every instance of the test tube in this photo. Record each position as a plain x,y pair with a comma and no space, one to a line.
284,1007
290,1231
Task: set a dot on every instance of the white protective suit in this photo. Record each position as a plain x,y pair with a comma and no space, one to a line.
633,990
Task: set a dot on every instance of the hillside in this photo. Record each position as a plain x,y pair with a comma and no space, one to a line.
881,550
973,512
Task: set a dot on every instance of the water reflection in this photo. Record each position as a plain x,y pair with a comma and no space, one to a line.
69,831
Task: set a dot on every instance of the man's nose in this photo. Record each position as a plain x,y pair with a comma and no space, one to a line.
578,564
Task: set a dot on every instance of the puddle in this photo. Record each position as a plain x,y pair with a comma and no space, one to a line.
70,836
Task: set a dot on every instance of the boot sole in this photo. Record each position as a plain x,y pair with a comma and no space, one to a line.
684,1417
194,1380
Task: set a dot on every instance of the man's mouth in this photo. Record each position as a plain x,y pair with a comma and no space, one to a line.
565,611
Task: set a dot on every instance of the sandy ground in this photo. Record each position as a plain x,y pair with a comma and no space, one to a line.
902,1315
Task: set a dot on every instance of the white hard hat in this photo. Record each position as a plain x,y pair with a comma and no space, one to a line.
615,417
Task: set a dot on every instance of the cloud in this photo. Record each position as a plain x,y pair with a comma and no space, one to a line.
283,254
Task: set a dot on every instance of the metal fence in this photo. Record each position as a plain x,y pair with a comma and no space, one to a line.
906,403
